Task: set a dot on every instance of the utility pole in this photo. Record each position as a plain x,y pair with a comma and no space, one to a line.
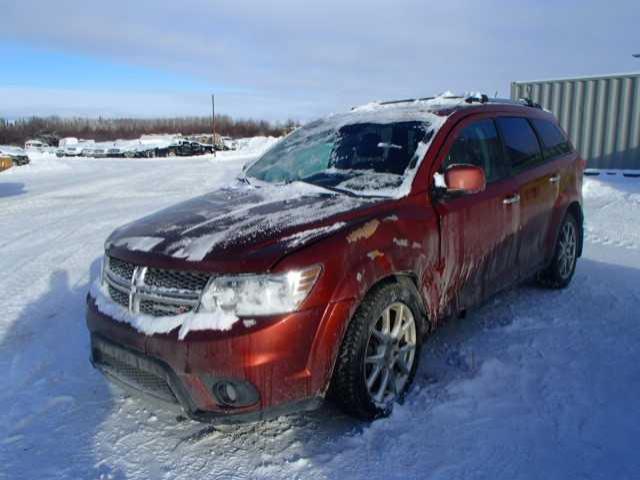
213,117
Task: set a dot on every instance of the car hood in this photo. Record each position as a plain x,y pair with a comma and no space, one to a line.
244,227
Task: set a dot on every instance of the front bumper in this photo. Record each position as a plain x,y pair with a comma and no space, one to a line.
285,360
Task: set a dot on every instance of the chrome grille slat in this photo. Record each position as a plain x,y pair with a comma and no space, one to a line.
119,297
169,293
193,302
153,291
118,284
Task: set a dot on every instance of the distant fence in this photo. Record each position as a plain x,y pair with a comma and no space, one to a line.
600,114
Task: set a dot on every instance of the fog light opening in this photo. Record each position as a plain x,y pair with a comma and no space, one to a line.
233,393
226,393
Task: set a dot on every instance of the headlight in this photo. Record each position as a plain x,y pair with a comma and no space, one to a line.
269,294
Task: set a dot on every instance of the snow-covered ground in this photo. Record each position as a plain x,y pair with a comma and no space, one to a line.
536,384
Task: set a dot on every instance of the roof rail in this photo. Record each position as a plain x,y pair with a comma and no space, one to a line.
406,100
480,99
530,103
475,98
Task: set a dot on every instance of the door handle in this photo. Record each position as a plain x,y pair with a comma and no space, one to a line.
511,200
554,179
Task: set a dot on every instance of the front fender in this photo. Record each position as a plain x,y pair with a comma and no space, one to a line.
402,244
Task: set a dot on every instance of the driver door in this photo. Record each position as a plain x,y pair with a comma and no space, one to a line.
478,248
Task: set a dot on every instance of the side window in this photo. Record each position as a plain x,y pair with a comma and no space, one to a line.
520,141
478,144
554,142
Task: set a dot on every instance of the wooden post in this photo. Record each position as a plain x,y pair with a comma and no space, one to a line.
213,117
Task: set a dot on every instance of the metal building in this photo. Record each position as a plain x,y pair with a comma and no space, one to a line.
600,114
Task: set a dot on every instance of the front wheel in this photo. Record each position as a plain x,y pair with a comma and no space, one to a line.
563,265
380,352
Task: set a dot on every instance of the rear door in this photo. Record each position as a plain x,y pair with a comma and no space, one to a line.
561,156
537,182
478,248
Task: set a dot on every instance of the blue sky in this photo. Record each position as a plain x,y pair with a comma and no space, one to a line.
290,59
40,67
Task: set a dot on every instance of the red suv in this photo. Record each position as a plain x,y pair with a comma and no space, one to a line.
321,269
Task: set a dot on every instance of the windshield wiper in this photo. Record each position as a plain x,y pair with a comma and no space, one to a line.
333,189
341,191
324,187
243,179
345,176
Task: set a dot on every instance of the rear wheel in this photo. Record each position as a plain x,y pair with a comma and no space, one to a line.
379,354
563,265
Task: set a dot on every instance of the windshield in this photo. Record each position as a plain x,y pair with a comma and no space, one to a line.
361,158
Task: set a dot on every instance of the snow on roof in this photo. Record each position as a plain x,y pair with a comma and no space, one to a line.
447,99
437,105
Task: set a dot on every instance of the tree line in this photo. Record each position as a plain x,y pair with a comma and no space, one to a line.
51,129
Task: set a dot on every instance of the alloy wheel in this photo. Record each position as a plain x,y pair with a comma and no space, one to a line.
390,354
567,246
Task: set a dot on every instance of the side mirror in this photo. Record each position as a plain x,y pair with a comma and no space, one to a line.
464,179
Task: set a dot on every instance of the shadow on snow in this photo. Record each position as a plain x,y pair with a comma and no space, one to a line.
11,189
57,403
53,401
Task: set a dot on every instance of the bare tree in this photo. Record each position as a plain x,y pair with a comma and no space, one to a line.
51,129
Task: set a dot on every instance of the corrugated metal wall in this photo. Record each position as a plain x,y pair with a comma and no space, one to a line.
600,114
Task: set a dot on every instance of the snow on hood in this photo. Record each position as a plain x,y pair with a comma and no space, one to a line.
238,220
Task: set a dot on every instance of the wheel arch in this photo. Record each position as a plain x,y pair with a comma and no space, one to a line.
409,280
340,383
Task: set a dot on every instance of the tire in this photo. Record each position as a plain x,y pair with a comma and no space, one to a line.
560,271
364,350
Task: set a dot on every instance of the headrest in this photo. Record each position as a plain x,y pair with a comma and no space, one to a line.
368,145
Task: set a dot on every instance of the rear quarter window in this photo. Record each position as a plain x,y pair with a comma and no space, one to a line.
520,142
554,141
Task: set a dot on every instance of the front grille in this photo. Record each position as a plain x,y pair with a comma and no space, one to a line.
119,297
175,279
122,269
133,370
162,310
153,291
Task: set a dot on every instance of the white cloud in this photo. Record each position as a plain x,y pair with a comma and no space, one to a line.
325,56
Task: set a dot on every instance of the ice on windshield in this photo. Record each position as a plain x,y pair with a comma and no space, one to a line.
368,155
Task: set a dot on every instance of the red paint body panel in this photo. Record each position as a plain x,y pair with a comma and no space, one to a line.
280,356
457,251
